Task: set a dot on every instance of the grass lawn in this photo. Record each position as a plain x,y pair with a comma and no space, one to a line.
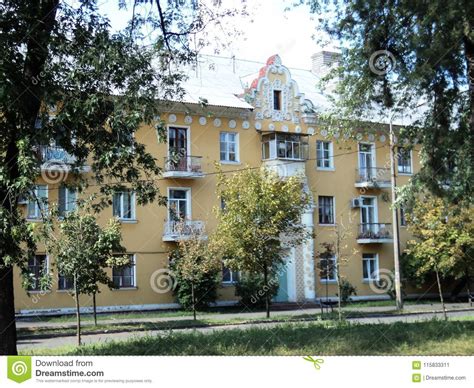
322,338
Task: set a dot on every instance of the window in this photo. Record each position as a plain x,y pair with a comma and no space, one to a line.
284,146
229,276
277,100
324,154
67,200
38,204
124,277
326,210
65,282
178,205
124,205
404,160
37,267
370,266
229,147
403,220
327,269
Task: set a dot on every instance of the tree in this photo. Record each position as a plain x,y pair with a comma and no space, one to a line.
194,264
261,220
398,55
337,249
83,251
445,241
68,80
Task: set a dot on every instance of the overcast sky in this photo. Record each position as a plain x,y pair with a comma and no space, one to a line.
268,30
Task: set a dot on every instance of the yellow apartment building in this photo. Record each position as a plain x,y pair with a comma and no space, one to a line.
256,114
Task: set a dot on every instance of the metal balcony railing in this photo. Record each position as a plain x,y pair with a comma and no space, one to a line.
183,164
375,231
177,230
54,153
373,176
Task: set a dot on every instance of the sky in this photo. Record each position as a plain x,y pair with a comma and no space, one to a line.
268,30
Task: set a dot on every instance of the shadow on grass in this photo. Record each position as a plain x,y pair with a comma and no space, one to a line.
421,338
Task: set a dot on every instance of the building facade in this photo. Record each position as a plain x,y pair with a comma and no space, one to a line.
256,115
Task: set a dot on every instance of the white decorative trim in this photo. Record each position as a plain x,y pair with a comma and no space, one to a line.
202,120
245,124
258,125
382,138
217,122
188,119
271,127
359,137
284,128
297,129
311,131
324,132
371,137
172,118
232,124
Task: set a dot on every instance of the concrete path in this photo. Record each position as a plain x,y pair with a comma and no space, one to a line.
149,317
103,338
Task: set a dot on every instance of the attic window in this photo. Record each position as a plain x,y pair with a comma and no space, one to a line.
277,100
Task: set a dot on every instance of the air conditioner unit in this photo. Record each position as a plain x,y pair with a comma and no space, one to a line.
356,202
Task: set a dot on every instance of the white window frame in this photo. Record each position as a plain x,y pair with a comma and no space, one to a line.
133,263
375,258
403,217
232,273
39,290
334,261
331,155
226,145
188,202
410,155
120,217
376,207
67,202
34,200
333,210
59,282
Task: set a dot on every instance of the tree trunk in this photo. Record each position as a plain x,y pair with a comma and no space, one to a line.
7,313
445,315
94,308
78,311
193,299
469,52
339,310
267,294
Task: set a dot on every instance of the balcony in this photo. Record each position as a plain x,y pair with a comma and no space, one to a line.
374,233
180,230
184,167
372,177
55,158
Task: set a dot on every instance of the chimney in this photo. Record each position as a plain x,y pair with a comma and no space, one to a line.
322,61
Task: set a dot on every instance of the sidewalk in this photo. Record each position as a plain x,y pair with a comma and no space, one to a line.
147,318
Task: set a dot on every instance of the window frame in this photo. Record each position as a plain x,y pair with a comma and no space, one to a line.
120,217
67,194
133,265
375,258
402,169
402,216
327,280
64,279
333,210
330,157
234,276
277,100
37,288
226,142
34,202
187,199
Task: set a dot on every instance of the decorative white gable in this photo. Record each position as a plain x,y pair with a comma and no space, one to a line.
275,77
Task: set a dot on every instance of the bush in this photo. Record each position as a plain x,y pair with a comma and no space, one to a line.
205,288
252,290
347,290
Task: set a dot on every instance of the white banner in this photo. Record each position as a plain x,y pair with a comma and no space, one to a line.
229,372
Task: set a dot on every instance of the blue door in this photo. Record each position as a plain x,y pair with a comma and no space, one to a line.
282,295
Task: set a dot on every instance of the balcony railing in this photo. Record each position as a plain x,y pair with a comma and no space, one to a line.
372,177
183,167
374,233
179,230
54,154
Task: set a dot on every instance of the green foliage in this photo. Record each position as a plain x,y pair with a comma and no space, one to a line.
252,290
444,239
205,284
423,54
347,290
83,250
